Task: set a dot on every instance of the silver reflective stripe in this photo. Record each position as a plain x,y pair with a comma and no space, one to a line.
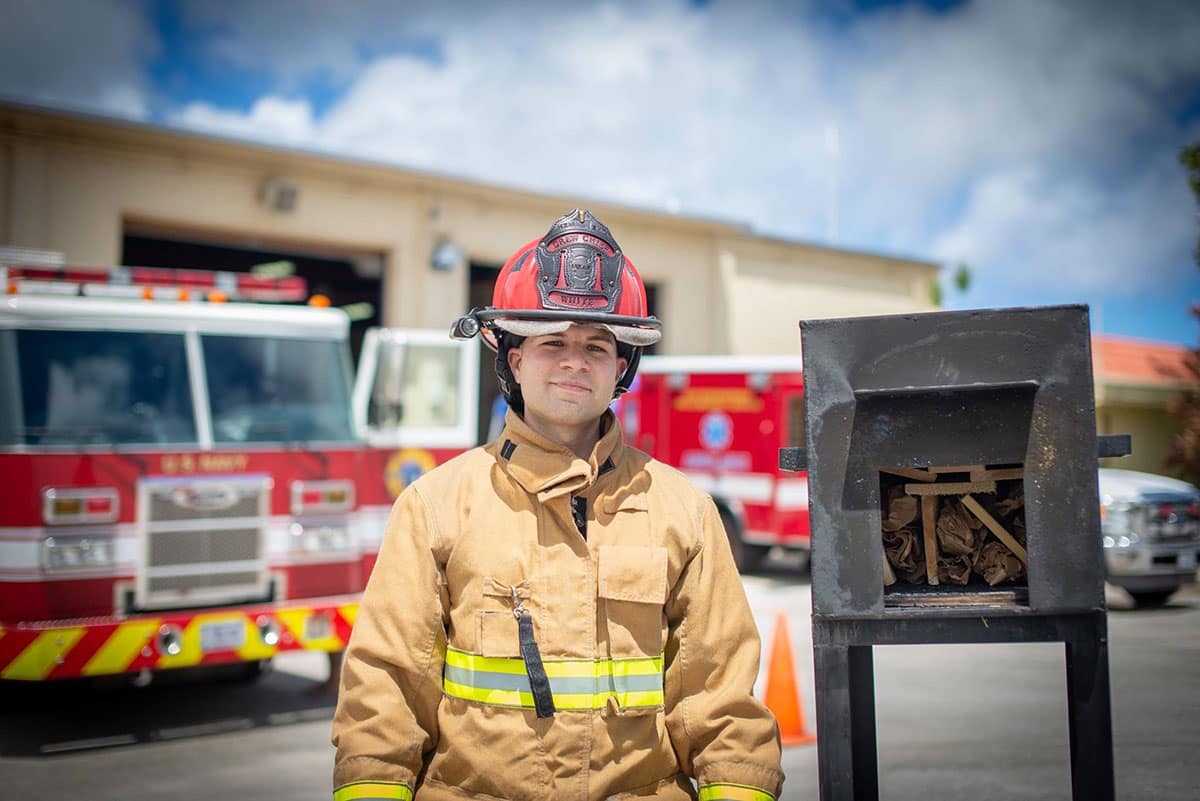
575,684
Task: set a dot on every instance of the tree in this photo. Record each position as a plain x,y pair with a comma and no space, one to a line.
1185,446
1190,159
961,279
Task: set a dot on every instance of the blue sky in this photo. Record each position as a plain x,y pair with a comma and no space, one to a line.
1035,141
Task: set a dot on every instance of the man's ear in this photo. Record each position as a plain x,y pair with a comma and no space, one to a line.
622,366
514,363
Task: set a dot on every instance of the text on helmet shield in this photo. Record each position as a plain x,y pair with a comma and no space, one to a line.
579,238
579,271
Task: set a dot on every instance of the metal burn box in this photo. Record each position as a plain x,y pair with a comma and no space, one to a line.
951,462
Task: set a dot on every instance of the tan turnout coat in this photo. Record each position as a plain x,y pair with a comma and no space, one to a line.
430,698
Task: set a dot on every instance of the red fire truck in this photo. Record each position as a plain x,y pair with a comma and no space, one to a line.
187,481
722,420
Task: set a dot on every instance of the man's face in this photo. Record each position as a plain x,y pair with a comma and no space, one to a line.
567,379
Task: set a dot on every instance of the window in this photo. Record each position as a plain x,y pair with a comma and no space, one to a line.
277,389
416,385
96,388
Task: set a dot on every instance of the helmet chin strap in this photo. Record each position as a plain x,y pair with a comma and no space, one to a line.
504,377
633,356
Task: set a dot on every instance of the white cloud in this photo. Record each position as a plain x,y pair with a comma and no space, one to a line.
270,119
1068,88
644,106
1040,237
1036,141
86,55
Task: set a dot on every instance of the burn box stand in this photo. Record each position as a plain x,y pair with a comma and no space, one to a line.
951,463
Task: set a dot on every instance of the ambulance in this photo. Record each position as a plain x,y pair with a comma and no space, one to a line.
191,474
722,420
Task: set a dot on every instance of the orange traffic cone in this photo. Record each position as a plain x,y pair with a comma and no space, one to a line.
782,697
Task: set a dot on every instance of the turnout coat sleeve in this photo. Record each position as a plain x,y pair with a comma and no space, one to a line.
386,717
722,734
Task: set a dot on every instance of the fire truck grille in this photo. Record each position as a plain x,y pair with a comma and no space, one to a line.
204,540
196,547
167,507
188,583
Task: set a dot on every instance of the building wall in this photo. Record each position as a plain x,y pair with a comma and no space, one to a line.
771,287
1152,430
76,184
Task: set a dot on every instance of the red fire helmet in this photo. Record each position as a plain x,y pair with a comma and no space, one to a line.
576,273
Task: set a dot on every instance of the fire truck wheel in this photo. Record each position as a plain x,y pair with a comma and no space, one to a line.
746,556
1151,600
245,672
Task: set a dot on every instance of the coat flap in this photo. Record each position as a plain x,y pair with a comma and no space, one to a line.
633,573
628,502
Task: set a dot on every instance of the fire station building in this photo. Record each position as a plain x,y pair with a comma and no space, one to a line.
402,247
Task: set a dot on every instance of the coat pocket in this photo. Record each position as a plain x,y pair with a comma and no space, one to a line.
498,634
633,585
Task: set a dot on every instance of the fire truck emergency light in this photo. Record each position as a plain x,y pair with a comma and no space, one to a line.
65,506
309,497
153,283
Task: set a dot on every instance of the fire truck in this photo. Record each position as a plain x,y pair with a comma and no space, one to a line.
191,475
722,420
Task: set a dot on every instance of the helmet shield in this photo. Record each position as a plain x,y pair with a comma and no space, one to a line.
578,266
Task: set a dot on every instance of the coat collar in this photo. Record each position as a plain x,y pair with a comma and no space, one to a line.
547,469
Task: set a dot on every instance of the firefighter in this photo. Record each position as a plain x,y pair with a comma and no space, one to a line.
556,615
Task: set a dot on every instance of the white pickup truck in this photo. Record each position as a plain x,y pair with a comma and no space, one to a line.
1151,530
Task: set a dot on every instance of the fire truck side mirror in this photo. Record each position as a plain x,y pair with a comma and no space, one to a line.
1111,445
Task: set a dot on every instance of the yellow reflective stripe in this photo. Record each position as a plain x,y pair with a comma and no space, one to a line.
121,648
647,698
637,667
733,792
373,791
43,654
495,697
524,700
558,668
490,664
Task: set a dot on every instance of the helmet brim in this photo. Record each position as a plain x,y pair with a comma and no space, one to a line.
630,335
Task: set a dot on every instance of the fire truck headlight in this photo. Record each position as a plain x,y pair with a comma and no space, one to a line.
319,539
73,553
268,630
170,640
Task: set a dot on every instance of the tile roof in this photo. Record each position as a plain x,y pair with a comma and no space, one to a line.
1140,361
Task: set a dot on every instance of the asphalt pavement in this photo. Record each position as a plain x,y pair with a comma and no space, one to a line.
989,721
955,722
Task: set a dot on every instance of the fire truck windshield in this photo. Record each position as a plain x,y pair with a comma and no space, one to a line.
64,388
264,389
95,388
